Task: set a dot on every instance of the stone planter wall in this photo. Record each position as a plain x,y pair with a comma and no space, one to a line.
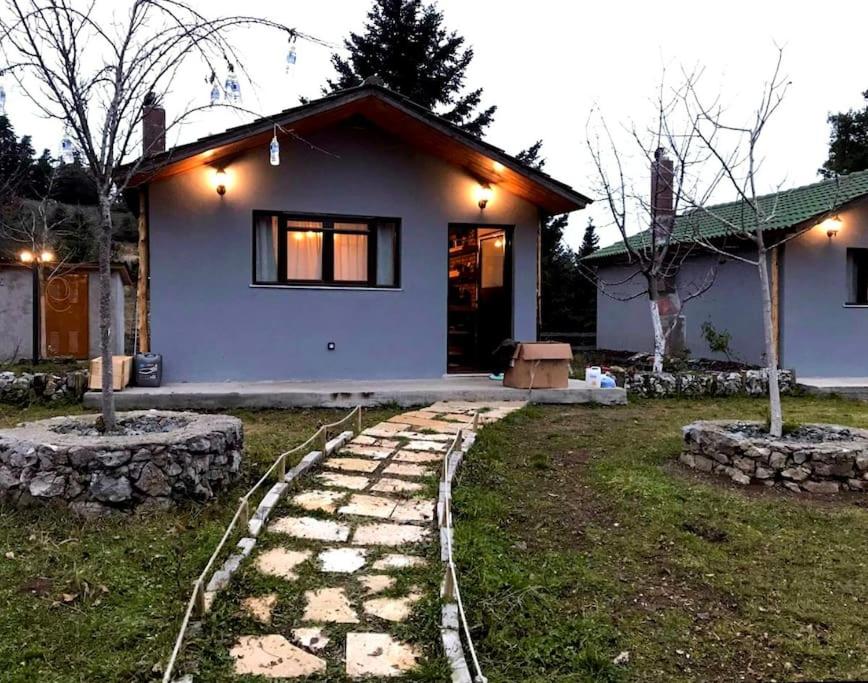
667,384
812,466
95,474
23,388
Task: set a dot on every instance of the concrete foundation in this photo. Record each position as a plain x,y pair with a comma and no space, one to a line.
347,394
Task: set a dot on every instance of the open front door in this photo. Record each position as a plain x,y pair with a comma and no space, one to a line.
479,314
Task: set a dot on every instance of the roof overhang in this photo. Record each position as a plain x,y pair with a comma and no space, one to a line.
405,120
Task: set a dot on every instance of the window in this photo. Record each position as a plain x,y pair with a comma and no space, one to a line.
325,250
857,276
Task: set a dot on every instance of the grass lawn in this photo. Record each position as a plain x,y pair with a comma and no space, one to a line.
101,600
580,538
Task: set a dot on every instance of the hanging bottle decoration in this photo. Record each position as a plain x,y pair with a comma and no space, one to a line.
274,150
215,88
2,100
291,55
232,86
67,150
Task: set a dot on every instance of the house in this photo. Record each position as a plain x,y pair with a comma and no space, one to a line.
819,280
69,311
387,243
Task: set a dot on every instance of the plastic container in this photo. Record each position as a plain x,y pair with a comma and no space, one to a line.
148,369
607,382
593,375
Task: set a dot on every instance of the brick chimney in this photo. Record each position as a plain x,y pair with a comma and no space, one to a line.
153,126
662,180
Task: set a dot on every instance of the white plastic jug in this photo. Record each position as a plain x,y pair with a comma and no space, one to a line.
593,375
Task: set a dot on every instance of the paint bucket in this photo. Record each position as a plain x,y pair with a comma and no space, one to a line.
592,376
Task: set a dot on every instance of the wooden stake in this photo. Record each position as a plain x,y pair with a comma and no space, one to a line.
358,419
200,598
142,309
281,468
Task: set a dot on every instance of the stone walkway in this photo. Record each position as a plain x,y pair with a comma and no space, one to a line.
360,535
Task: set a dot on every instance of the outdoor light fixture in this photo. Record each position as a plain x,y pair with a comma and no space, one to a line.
484,195
26,256
46,257
220,181
832,226
34,260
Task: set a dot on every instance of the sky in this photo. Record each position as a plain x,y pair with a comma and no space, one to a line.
547,64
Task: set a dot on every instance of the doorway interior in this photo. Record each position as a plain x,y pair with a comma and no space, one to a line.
479,302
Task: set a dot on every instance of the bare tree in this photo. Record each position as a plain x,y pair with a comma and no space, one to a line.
95,75
646,221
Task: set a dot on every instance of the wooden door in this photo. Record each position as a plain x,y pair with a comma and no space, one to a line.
66,316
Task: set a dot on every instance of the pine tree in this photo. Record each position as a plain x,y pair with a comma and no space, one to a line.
405,44
590,241
848,142
16,160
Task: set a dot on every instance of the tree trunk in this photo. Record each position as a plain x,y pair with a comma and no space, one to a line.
107,399
659,337
776,422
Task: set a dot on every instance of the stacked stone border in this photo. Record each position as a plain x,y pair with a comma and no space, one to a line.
452,609
330,438
800,466
693,384
50,462
25,388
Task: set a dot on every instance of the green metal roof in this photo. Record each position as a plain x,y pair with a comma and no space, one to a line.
781,210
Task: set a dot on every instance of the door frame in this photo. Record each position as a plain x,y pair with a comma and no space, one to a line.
509,276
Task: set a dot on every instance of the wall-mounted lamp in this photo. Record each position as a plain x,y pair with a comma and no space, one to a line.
34,259
220,181
483,195
831,226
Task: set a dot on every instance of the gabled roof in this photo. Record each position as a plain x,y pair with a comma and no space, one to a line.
388,110
786,209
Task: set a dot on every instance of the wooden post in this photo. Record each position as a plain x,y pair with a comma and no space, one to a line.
143,325
358,419
199,602
281,468
245,513
775,285
323,439
448,584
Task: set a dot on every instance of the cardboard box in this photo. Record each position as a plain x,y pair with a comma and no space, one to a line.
122,372
539,365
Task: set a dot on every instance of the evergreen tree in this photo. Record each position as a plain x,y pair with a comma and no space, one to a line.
848,142
590,241
16,159
405,44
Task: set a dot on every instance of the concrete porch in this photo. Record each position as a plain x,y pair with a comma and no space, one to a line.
347,393
848,387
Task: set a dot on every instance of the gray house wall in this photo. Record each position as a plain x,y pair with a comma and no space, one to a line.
731,304
820,335
211,324
16,313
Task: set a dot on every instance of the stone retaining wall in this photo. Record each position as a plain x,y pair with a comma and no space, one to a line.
745,383
94,474
23,388
816,467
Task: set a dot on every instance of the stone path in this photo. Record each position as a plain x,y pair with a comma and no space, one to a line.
360,536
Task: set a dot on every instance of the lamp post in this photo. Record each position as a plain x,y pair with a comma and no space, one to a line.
35,261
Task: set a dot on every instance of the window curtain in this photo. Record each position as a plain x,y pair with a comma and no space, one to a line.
386,255
303,251
351,253
266,249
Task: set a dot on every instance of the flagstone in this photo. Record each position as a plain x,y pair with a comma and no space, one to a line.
369,506
417,457
426,445
310,637
260,607
389,534
273,656
423,436
378,654
407,470
329,604
325,501
375,452
392,609
352,464
377,583
344,481
281,562
363,440
385,429
436,425
398,561
311,528
414,511
387,485
342,560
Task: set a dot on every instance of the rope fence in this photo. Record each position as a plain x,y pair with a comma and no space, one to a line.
328,438
454,618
